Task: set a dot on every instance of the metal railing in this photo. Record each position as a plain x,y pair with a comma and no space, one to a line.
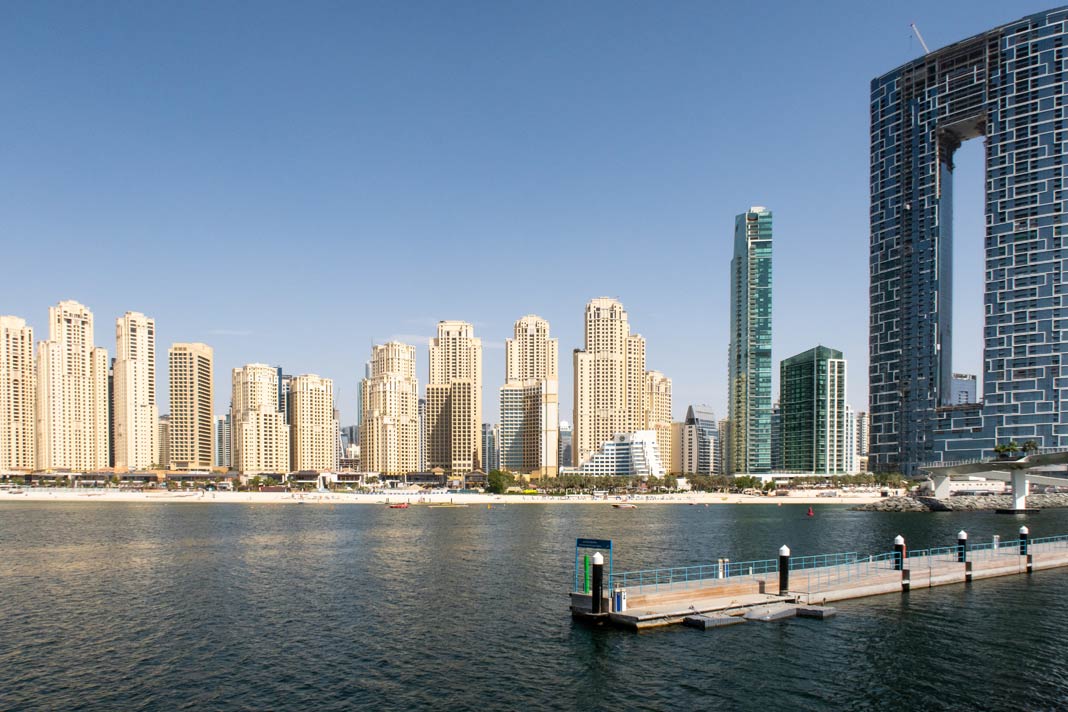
683,577
822,571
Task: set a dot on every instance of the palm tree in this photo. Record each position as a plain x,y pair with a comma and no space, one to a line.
1030,447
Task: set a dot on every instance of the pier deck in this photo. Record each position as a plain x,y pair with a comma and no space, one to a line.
663,597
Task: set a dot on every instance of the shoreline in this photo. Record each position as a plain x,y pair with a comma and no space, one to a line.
416,499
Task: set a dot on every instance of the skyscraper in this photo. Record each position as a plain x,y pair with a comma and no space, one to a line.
222,441
312,427
163,441
749,362
72,393
656,402
1005,85
491,434
259,438
136,415
389,425
17,395
529,432
454,399
813,407
609,379
192,373
565,457
963,389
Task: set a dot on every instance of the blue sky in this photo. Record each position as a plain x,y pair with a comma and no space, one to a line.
290,183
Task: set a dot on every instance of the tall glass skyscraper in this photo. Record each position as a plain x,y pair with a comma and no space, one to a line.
1007,86
812,405
749,360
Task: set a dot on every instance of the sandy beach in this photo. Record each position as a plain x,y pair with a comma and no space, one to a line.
417,499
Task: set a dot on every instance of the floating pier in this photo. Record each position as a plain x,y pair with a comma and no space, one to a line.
720,594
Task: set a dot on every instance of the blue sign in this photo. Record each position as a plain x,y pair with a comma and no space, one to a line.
593,543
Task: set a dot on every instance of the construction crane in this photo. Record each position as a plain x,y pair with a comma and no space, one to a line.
919,37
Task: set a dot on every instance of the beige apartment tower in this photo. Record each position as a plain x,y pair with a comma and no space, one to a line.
71,426
18,396
389,424
192,371
610,380
259,434
312,427
657,404
454,399
136,415
530,401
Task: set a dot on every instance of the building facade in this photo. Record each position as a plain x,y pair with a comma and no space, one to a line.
609,379
313,430
192,374
259,438
454,399
491,436
812,402
964,389
163,440
135,413
656,403
625,455
389,425
1005,86
222,441
18,396
749,360
529,440
72,420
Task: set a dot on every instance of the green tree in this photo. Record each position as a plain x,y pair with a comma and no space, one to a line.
498,481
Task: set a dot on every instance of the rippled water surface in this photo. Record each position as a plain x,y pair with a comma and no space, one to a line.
109,606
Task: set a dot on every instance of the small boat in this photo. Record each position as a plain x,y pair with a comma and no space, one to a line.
402,505
624,505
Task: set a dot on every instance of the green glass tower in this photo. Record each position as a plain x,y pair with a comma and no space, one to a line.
812,399
749,360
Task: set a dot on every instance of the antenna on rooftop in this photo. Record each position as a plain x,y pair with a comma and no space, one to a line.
919,37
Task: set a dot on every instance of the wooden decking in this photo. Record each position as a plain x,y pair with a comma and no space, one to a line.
669,604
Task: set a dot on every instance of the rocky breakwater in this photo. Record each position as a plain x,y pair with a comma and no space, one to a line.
961,504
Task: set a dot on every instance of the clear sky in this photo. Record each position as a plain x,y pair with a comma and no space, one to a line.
292,182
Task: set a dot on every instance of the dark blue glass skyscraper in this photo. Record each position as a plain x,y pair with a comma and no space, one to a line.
1008,86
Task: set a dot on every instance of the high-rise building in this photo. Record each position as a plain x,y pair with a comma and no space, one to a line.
565,444
422,435
529,440
724,428
136,415
389,425
813,405
851,458
749,362
18,395
163,439
776,438
964,390
259,438
609,379
656,403
491,434
1005,85
862,434
626,454
72,393
222,441
192,374
454,399
312,426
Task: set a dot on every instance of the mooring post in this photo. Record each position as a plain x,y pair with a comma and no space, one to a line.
1024,532
962,546
598,582
899,552
784,570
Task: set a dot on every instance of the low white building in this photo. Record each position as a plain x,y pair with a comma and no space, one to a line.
625,454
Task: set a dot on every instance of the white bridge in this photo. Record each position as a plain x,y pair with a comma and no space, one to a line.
1046,468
